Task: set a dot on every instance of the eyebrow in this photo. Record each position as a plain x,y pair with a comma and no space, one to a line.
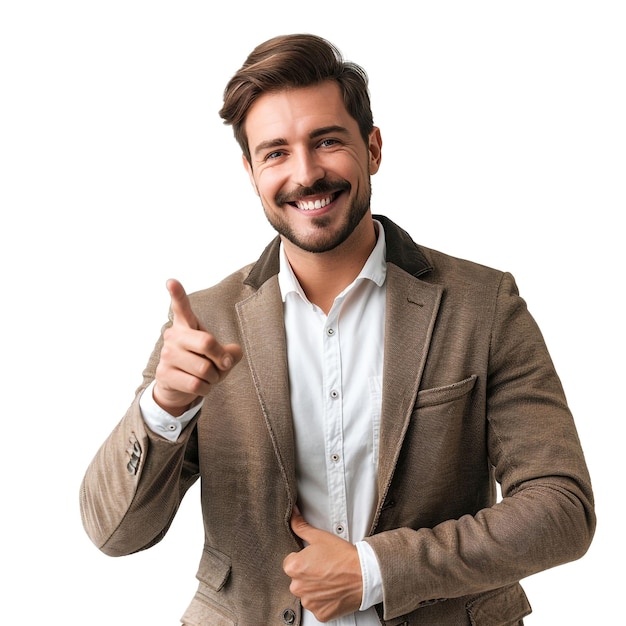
328,130
314,134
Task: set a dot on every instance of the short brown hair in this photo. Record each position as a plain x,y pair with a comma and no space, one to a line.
290,61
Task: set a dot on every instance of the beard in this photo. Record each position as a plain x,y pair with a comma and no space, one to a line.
325,238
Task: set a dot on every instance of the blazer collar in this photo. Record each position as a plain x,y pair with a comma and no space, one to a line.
401,251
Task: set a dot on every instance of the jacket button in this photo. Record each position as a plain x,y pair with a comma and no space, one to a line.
289,617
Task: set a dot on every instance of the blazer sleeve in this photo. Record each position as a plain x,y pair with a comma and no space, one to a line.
546,515
134,485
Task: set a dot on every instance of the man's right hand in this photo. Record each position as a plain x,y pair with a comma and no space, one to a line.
191,358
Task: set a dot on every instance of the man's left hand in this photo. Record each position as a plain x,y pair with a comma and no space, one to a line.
326,574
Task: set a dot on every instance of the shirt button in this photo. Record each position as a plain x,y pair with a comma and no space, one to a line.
330,332
171,427
334,394
339,529
334,458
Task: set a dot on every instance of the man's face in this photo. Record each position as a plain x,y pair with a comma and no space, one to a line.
310,165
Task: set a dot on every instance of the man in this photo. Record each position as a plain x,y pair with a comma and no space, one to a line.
348,401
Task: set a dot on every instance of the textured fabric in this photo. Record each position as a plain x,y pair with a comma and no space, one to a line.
469,395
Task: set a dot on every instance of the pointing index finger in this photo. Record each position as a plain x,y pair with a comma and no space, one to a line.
181,307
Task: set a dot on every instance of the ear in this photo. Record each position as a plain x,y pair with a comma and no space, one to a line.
248,169
375,149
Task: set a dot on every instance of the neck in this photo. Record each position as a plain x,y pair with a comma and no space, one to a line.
323,276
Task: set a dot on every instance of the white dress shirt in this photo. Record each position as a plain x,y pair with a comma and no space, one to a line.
335,373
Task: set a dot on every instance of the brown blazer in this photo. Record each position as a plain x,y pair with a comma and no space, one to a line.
470,396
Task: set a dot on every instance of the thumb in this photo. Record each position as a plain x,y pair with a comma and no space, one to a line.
181,307
302,528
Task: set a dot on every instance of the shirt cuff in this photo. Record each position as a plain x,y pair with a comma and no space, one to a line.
372,579
160,421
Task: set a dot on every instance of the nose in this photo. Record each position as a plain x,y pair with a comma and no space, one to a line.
307,168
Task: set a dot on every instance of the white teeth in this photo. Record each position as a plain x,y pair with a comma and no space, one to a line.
317,204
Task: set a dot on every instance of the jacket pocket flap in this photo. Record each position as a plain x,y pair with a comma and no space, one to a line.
501,607
214,568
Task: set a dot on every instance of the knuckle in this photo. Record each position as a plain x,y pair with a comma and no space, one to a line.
162,369
208,342
296,589
291,565
205,369
287,565
194,386
166,352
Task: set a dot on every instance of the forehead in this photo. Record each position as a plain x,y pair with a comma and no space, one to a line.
290,113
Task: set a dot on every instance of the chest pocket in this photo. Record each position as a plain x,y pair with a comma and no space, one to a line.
442,395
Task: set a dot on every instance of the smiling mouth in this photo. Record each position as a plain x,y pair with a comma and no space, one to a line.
312,205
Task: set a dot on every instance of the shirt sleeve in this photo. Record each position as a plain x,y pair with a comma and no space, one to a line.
372,579
160,421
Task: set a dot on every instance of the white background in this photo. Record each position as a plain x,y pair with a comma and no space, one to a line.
504,142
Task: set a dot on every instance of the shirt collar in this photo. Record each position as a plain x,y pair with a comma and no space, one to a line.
375,268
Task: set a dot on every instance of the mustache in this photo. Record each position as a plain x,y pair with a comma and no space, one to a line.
319,187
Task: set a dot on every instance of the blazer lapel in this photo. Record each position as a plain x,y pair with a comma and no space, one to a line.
263,331
412,307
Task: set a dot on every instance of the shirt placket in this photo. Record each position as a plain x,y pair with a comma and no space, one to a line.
333,425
